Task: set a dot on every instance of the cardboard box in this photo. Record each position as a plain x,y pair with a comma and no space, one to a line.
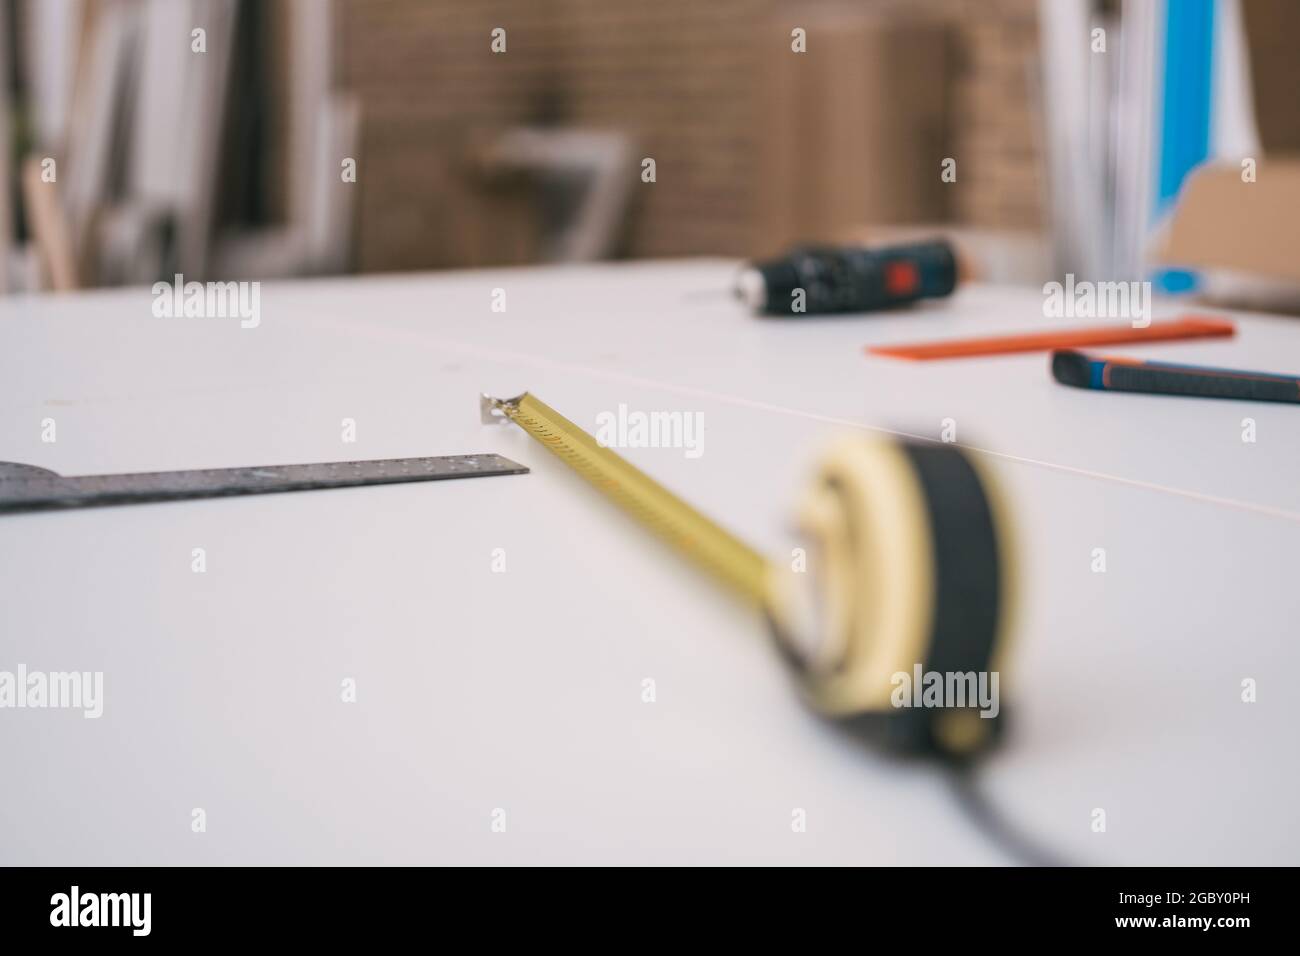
1225,224
1242,236
855,133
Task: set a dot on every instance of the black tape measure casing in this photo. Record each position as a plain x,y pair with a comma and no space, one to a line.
919,550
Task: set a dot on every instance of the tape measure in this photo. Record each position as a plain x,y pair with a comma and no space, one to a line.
908,568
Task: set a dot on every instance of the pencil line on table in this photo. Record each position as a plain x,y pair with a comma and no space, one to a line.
519,358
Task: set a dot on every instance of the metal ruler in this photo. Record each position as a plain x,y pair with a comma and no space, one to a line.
28,488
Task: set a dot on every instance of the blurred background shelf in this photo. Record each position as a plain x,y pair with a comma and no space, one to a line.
229,162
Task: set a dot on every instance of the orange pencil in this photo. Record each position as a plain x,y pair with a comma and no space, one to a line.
1186,327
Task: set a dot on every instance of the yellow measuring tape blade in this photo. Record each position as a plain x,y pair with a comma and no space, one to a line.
694,535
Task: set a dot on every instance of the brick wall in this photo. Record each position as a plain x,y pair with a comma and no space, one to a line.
680,75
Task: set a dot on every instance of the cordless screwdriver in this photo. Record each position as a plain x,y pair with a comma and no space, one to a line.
823,279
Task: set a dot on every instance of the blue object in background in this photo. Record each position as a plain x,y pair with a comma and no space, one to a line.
1186,115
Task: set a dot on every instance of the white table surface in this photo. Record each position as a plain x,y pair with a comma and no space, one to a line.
522,690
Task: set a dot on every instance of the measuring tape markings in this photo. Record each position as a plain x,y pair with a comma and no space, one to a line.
711,546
